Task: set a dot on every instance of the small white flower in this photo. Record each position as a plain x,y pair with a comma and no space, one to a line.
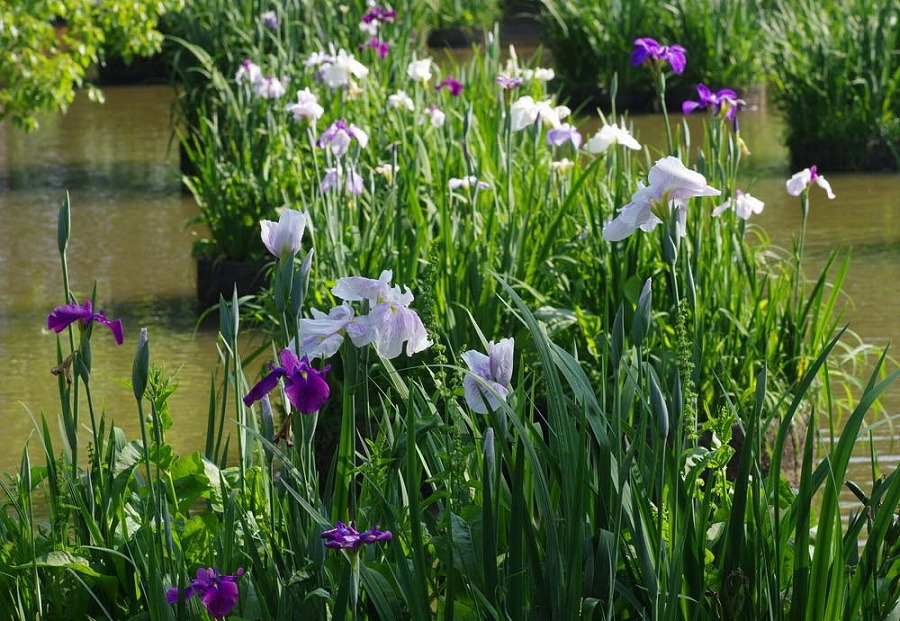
336,71
525,112
609,135
467,183
540,74
386,170
563,166
743,204
370,28
401,100
419,70
248,72
306,107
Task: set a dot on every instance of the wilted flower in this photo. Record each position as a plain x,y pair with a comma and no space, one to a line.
743,204
802,180
559,136
248,72
671,184
494,370
306,107
390,322
283,238
270,20
610,135
379,46
454,86
62,317
339,135
647,48
269,87
343,536
333,177
401,100
304,385
467,183
419,70
386,170
218,592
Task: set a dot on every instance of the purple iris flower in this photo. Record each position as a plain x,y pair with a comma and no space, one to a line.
508,82
723,99
559,136
454,86
62,317
343,536
304,385
646,48
379,46
218,592
381,14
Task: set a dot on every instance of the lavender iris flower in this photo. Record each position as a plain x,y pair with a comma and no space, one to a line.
490,382
269,19
647,48
304,385
343,536
62,317
332,180
559,136
508,82
218,592
454,86
338,136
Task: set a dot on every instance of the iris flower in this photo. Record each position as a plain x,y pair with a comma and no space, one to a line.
493,370
609,135
339,135
336,70
802,180
379,46
647,48
743,204
724,101
467,182
435,116
270,20
390,322
218,592
333,177
525,112
419,70
269,87
283,238
304,385
454,86
401,100
248,72
671,184
508,82
306,107
558,136
62,317
343,536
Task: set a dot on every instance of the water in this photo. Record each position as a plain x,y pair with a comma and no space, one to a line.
128,232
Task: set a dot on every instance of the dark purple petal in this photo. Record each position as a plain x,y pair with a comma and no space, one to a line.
62,317
172,595
264,386
638,56
454,86
220,598
374,535
307,389
114,326
341,536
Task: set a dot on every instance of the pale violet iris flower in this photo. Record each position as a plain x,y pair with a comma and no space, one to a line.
339,135
390,322
670,185
306,107
283,238
609,135
322,336
802,180
743,204
558,136
489,383
335,175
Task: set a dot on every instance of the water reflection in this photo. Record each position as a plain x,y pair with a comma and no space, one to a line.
128,232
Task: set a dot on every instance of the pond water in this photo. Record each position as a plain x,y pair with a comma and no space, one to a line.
128,233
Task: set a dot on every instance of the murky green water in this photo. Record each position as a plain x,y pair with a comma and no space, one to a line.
128,232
